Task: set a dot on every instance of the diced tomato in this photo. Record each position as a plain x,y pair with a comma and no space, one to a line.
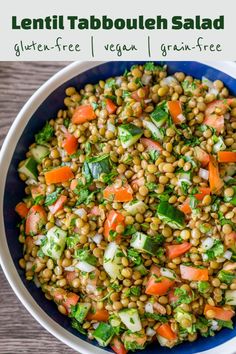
70,300
151,144
230,239
114,218
193,273
73,184
185,207
202,156
223,105
38,190
83,114
165,331
59,175
136,97
215,181
70,144
220,313
65,298
117,346
70,276
35,220
174,251
172,297
215,121
226,156
175,109
110,106
98,315
58,205
202,193
121,194
22,210
59,295
157,284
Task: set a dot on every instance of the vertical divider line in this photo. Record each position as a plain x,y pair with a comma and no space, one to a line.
149,47
92,46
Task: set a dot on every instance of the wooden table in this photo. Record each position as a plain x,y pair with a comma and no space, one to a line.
19,332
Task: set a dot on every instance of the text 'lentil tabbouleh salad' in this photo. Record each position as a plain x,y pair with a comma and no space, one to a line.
128,223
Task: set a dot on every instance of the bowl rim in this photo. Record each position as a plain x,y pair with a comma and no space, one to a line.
6,154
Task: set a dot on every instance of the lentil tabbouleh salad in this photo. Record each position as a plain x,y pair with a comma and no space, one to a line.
128,222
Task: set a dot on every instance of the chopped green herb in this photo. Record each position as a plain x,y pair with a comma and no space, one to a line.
203,287
134,256
215,251
38,199
156,317
129,230
227,324
45,134
52,197
226,276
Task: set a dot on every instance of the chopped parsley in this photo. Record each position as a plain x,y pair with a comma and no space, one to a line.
227,324
156,317
76,325
154,155
129,230
184,187
183,297
86,256
38,199
134,256
226,277
111,84
52,197
203,287
215,251
45,134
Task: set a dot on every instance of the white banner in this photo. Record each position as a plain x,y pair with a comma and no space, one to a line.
122,30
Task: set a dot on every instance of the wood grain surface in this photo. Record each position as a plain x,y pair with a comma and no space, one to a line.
19,332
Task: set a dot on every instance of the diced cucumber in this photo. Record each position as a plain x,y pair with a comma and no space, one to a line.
141,269
112,261
171,215
159,116
231,200
129,134
157,134
54,243
97,165
82,309
230,297
29,168
130,317
103,334
219,145
39,152
181,315
135,206
142,242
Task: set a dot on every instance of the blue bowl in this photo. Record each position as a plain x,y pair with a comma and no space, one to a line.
38,110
